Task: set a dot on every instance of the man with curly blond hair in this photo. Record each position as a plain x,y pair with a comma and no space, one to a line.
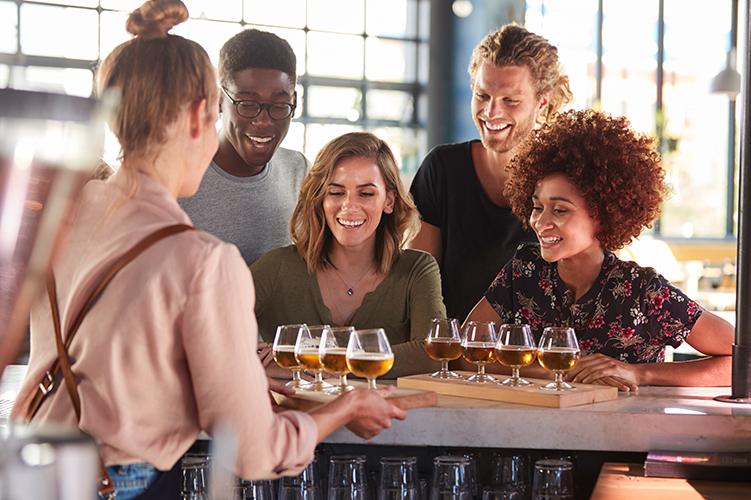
587,185
467,223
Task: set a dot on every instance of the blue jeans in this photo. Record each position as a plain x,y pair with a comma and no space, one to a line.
131,481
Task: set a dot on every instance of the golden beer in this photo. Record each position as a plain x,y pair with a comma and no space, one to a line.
308,359
558,359
443,349
516,356
479,353
285,357
370,366
335,360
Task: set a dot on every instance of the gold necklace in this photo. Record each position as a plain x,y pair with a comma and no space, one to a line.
350,289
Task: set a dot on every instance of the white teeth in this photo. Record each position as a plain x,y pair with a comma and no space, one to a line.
260,139
551,239
496,127
350,224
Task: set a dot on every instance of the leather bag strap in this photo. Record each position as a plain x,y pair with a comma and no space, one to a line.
48,381
62,363
105,487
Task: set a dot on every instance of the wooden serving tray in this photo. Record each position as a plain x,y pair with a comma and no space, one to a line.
404,398
530,395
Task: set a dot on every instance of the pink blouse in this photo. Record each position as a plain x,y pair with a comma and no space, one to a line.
169,348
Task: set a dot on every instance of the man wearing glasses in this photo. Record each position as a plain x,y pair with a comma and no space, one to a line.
249,192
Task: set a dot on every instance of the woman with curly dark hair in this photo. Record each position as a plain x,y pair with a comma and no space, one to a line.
587,185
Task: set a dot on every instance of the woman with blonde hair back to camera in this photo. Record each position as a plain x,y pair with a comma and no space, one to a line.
168,348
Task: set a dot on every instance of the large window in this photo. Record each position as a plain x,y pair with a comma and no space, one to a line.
692,122
364,68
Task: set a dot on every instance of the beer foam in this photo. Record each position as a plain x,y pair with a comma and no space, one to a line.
372,356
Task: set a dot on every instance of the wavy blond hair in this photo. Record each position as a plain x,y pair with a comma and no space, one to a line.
513,45
308,227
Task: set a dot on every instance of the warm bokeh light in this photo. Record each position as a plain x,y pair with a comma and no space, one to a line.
694,121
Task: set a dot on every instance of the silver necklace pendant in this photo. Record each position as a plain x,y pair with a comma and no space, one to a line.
350,292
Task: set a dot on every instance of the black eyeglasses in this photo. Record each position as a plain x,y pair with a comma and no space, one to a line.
251,109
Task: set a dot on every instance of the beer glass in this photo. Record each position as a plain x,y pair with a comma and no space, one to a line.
558,351
500,493
348,478
333,354
444,344
195,469
306,352
553,480
253,490
475,486
48,148
284,353
515,349
512,471
369,354
478,347
398,479
451,478
301,487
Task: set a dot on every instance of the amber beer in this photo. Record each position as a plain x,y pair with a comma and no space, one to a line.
370,366
479,353
284,356
335,361
516,356
443,349
561,360
308,359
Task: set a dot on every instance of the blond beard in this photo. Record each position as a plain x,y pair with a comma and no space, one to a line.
521,131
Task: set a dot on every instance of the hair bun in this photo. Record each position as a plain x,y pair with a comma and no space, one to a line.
155,18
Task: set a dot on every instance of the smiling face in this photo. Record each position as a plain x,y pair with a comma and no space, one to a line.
504,105
562,222
251,142
355,200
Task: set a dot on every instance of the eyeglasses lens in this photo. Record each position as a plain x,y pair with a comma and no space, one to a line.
277,111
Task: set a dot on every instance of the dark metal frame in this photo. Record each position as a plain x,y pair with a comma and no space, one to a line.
415,89
741,389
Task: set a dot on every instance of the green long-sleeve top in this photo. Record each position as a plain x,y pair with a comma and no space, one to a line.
403,303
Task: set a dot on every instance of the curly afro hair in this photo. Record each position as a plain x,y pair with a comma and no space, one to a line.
615,169
255,49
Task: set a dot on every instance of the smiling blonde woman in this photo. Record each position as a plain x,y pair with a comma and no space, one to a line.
347,265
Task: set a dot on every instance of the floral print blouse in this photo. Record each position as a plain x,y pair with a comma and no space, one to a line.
631,313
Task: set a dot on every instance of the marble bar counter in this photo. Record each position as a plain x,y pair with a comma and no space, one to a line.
668,418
